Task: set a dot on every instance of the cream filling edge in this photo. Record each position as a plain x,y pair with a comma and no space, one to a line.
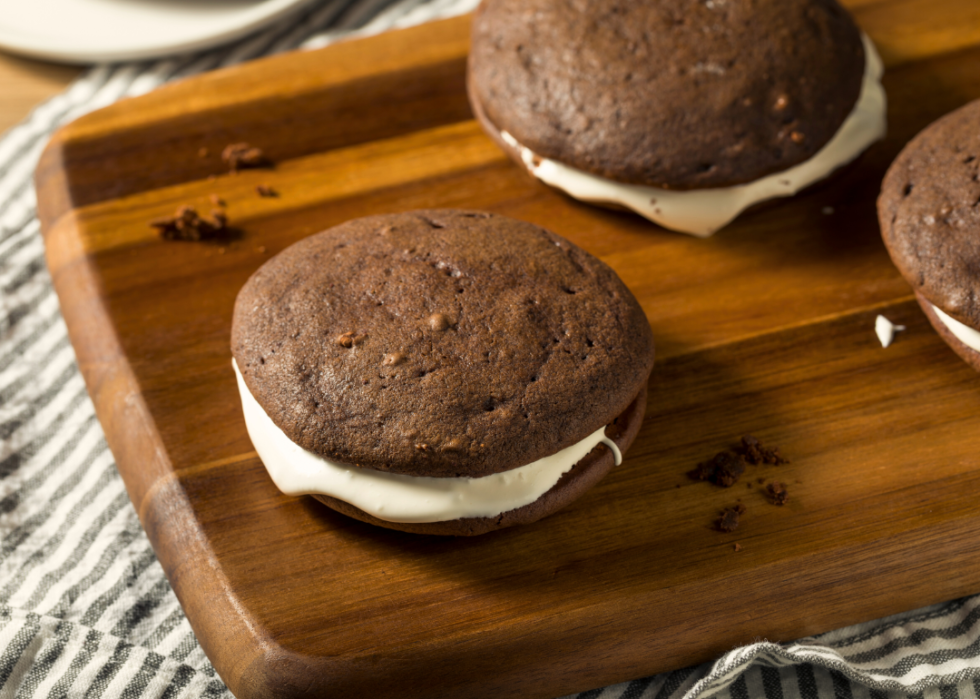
399,498
964,333
702,212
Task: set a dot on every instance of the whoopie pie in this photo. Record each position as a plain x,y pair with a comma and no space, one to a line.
685,111
441,371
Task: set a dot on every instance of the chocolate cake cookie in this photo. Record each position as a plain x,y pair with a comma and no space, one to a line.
651,105
447,357
929,211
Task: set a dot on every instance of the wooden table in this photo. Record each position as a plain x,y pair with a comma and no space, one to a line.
24,83
767,328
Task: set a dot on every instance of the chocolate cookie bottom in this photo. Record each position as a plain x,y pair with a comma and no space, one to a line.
582,476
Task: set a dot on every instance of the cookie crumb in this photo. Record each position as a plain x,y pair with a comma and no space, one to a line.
439,322
265,191
736,547
393,359
729,518
202,152
240,156
260,249
723,469
216,200
755,453
776,493
349,339
186,224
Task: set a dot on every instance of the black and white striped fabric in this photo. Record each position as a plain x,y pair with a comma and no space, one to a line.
85,609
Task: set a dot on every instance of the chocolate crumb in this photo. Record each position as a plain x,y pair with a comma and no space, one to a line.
393,359
776,493
750,449
240,156
350,339
723,469
266,191
186,224
728,519
774,457
422,447
755,453
439,322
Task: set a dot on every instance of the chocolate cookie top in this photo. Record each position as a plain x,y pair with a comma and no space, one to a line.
675,93
929,211
439,343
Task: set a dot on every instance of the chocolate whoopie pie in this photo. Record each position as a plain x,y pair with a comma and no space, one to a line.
929,212
444,372
654,105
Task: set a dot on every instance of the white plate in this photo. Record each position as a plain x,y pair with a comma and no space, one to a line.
93,31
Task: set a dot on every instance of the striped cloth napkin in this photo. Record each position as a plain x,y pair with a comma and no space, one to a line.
85,609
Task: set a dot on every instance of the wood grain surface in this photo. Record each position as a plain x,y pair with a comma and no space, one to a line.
767,328
24,82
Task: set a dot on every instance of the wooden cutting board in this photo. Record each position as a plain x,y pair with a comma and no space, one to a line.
766,328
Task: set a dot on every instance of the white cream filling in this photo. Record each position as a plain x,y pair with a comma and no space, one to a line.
964,333
701,212
399,498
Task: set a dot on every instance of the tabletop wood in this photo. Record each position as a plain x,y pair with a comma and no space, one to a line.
766,328
24,83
